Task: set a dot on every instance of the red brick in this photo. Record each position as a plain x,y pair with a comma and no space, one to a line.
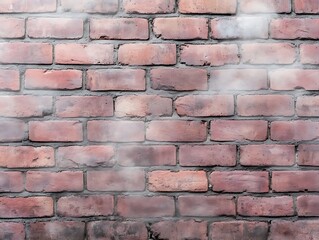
213,55
143,6
176,131
239,28
53,79
206,206
146,155
295,181
297,230
265,6
55,131
11,181
297,130
84,206
238,130
182,181
116,131
25,53
69,28
84,106
12,27
296,28
265,206
9,79
265,105
40,181
33,6
183,229
307,6
73,53
143,105
307,106
116,79
238,79
116,180
290,79
12,131
208,6
205,105
207,155
268,53
25,106
147,54
12,230
26,207
26,157
267,155
179,79
117,229
120,28
57,230
309,53
181,28
240,181
98,6
239,230
308,155
155,206
85,156
308,205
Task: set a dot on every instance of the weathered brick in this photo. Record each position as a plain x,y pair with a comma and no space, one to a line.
181,28
25,53
12,27
84,106
147,54
98,6
12,130
205,105
308,205
207,155
12,230
83,206
179,79
55,131
33,6
239,230
307,106
306,6
74,53
146,155
240,181
85,156
40,181
26,157
268,53
11,181
153,206
295,181
265,6
119,28
60,28
238,130
265,105
265,206
115,131
208,6
116,79
213,55
143,105
267,155
57,230
116,180
9,79
182,181
238,79
176,131
206,206
309,53
26,207
308,155
143,6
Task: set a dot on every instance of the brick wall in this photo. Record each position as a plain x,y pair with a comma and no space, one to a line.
159,119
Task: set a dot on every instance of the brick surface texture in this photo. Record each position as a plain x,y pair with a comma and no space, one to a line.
159,119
